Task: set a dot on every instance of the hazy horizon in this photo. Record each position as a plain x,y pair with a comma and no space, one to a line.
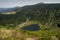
20,3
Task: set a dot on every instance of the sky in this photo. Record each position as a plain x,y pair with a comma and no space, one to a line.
14,3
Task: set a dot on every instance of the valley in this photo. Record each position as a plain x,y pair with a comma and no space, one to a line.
32,22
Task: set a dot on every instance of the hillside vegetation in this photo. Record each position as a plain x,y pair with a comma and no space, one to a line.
45,13
47,16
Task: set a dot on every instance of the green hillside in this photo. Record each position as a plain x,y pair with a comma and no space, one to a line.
45,13
46,16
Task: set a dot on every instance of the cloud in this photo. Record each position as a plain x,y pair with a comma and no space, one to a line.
13,3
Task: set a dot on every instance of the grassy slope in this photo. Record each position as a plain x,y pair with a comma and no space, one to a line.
31,15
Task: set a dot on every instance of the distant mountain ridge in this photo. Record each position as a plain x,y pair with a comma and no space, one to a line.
9,9
41,5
